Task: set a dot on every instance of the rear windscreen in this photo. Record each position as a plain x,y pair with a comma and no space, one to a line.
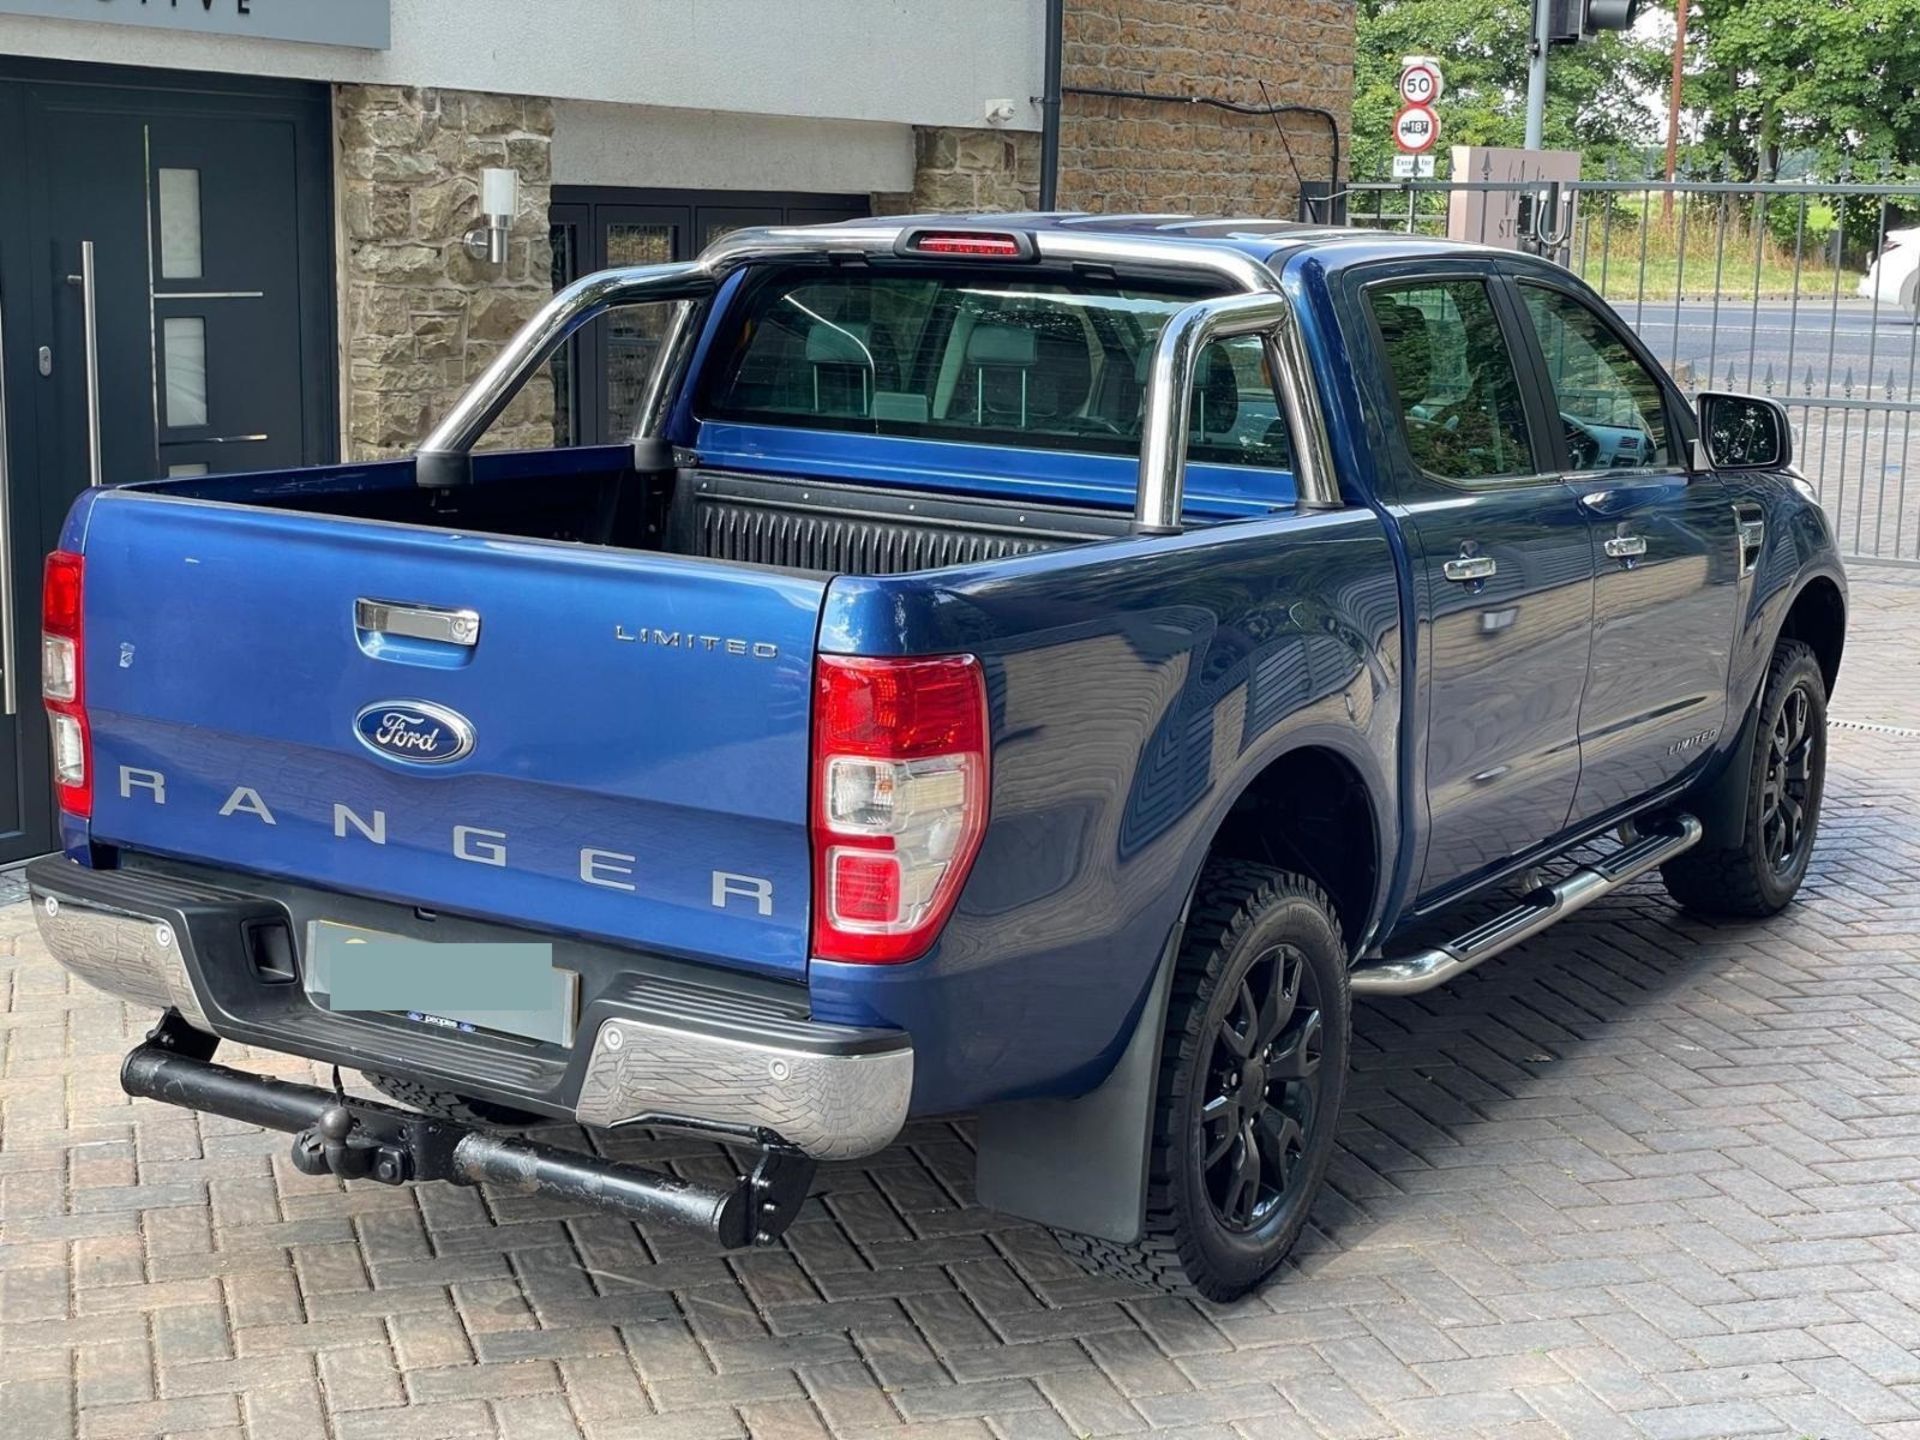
1018,359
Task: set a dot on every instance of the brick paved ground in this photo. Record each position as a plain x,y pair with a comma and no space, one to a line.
1644,1177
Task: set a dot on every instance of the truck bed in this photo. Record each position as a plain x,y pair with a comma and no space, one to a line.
795,525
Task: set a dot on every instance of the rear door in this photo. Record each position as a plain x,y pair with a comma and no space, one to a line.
1503,569
615,744
1666,555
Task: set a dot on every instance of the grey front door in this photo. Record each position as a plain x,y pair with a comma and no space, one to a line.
166,300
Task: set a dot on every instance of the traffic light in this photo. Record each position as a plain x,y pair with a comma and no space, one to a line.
1577,20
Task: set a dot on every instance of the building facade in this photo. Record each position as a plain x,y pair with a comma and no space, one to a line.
234,234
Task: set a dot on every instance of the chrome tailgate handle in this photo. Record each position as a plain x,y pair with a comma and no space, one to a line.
418,622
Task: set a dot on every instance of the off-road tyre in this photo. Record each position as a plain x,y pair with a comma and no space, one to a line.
445,1105
1751,879
1243,916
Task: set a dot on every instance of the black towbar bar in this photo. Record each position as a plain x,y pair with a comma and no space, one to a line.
336,1134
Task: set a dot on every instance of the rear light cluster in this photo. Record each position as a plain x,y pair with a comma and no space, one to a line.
899,801
63,681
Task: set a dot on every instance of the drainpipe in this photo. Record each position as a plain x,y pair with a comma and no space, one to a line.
1050,107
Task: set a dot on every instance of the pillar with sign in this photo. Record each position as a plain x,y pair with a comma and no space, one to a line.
1416,129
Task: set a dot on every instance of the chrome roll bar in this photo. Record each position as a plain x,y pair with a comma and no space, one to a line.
1258,308
1168,406
444,458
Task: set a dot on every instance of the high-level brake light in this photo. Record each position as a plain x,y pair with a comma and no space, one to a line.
967,244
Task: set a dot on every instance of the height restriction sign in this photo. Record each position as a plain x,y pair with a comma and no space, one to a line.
1416,129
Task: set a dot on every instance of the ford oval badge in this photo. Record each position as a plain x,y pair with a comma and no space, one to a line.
414,732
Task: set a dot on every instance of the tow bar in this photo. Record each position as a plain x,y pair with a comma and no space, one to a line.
355,1139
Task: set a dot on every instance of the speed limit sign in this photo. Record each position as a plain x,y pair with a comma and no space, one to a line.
1416,129
1419,84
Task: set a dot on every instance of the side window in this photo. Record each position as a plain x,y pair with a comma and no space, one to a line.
1459,395
1611,406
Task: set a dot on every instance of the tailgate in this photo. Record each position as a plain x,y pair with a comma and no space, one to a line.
638,723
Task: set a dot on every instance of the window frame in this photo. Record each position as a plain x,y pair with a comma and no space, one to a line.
1407,475
1681,424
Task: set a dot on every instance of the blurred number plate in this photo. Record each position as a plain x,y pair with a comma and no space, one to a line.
457,985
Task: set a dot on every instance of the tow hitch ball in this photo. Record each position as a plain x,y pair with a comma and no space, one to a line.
337,1134
331,1147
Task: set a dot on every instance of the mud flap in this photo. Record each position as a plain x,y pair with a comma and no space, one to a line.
1081,1164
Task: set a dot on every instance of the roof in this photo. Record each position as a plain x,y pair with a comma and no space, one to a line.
1259,237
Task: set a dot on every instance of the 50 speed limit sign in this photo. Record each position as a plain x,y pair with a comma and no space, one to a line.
1419,84
1416,129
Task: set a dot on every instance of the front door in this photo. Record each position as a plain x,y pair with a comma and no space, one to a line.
1667,564
1503,574
165,309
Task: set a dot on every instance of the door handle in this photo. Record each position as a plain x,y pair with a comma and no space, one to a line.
90,323
1469,568
9,682
1626,547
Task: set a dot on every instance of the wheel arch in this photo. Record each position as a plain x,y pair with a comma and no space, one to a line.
1818,616
1313,809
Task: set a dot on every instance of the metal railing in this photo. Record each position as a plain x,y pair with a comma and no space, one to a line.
1769,287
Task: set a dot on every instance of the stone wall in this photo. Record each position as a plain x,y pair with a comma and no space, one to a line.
420,317
1126,155
1149,156
961,170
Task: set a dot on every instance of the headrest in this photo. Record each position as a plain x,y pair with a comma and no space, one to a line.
1014,346
1409,350
1216,393
1216,389
844,344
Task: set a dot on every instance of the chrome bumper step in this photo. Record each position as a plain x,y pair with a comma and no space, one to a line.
1428,969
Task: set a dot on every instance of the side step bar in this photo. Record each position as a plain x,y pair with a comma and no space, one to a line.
1413,974
364,1140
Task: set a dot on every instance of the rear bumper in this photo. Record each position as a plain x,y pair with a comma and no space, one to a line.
660,1042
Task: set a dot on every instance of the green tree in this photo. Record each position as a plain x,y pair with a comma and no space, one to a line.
1839,79
1594,99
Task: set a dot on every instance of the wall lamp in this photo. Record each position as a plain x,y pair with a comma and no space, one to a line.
499,203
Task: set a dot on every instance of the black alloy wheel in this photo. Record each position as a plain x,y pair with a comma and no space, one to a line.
1786,792
1265,1083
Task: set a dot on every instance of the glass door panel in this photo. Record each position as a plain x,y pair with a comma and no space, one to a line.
632,336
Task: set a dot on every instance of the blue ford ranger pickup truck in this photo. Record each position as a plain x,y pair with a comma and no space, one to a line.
1036,666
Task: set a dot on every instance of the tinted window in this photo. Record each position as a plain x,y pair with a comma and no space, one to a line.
1458,392
1021,360
1611,406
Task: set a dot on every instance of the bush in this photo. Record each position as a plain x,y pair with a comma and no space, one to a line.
1785,225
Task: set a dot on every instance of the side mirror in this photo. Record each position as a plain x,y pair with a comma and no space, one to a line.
1744,432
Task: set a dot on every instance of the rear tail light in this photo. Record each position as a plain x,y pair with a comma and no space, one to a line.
899,801
63,681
